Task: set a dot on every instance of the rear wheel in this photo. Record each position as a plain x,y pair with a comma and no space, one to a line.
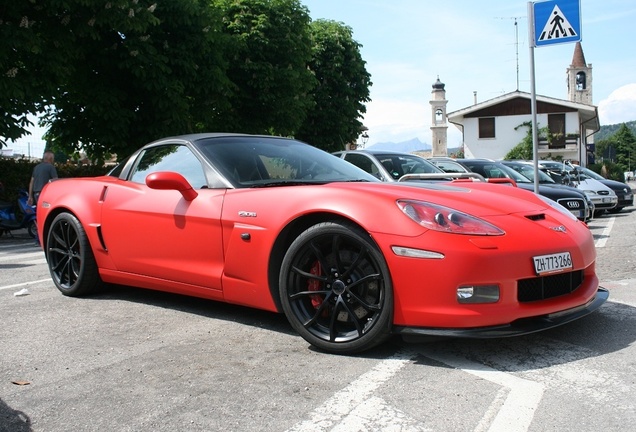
336,289
70,258
32,229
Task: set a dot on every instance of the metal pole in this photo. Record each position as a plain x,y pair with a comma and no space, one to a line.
533,98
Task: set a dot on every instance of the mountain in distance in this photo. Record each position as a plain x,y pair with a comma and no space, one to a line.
409,146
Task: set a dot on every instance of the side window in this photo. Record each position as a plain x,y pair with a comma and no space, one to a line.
172,157
362,162
487,127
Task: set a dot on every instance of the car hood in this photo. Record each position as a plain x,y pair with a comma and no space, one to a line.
594,185
475,198
616,185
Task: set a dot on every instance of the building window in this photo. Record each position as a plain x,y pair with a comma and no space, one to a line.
487,127
556,125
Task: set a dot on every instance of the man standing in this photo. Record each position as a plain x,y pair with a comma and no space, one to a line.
42,173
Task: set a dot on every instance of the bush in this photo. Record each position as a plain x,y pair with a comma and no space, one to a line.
15,174
614,171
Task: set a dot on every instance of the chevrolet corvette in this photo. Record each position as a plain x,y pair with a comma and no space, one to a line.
276,224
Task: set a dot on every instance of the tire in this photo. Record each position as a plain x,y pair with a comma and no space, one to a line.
32,229
615,210
336,289
70,257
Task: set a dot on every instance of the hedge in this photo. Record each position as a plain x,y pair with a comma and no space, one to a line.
15,174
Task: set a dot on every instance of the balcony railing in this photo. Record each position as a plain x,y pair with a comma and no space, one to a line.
565,143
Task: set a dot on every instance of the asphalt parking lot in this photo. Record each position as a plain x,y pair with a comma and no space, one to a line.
137,360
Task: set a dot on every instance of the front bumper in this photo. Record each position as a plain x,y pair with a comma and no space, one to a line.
515,328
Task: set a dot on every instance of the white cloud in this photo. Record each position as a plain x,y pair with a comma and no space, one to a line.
392,120
619,107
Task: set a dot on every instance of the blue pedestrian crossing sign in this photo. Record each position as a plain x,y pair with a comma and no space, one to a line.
557,21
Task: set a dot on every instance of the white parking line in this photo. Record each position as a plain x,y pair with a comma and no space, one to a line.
355,409
605,234
20,256
6,287
517,411
337,408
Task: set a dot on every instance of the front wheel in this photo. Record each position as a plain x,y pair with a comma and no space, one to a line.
336,289
70,257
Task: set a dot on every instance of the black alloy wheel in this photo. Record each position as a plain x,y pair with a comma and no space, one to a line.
336,289
70,258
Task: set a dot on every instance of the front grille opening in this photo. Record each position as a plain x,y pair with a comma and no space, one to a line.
546,287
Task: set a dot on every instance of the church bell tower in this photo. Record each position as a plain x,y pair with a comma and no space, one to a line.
580,78
439,126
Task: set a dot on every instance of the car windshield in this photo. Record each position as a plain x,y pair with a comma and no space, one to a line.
588,172
578,172
528,171
399,165
495,170
270,161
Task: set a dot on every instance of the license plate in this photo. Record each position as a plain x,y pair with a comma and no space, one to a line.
552,263
606,200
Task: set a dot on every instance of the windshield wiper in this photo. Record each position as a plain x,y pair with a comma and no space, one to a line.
287,183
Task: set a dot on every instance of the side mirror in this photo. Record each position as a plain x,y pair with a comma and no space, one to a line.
165,180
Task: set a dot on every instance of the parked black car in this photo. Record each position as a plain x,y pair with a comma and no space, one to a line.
573,200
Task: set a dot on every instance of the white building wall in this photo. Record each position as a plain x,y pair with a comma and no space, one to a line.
506,137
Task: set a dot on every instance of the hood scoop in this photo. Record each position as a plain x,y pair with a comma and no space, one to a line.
536,217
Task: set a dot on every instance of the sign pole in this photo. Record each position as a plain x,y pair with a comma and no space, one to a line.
533,98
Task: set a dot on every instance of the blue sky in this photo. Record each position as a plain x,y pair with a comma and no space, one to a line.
472,46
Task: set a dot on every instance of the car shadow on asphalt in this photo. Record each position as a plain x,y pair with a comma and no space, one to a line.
609,330
13,420
243,315
197,306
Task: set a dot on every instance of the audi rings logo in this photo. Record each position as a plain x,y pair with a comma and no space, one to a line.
574,204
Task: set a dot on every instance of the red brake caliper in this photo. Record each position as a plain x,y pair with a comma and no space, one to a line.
314,285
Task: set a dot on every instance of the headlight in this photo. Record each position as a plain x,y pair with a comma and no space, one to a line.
446,219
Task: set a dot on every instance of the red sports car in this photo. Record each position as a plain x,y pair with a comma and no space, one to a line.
277,224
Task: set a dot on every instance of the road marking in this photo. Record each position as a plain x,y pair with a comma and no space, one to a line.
517,411
605,234
20,256
622,302
6,287
341,404
355,409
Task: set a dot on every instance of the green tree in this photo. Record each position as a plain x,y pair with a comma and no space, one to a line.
134,84
343,87
41,43
270,49
620,147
